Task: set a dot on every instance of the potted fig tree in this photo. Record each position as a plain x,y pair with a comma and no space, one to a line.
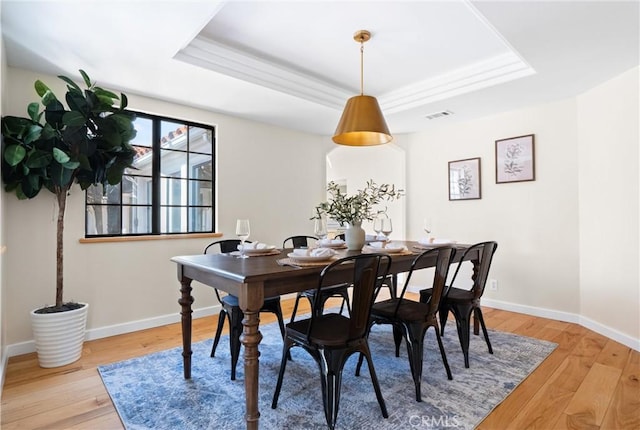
85,143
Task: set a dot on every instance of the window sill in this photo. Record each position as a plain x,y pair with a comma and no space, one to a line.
149,237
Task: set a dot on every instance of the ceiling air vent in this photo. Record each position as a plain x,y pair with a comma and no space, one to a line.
437,115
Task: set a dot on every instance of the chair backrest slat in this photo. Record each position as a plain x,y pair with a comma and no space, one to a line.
485,251
486,256
300,241
444,256
224,246
361,272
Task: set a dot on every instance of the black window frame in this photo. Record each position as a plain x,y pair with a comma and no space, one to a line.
156,205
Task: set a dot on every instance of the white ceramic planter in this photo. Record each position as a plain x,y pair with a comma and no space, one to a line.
355,236
59,336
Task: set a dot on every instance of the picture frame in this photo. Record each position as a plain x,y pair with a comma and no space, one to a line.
515,159
464,179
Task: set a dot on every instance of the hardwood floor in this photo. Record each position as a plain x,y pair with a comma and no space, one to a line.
588,382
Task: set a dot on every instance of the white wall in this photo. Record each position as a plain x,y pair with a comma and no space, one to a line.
608,117
535,223
568,241
259,176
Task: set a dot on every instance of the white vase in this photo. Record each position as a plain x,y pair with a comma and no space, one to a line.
354,236
59,336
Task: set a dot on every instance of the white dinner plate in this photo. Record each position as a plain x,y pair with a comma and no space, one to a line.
254,251
440,242
309,258
387,249
341,244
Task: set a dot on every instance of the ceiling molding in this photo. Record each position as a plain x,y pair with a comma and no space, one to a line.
221,58
230,61
493,71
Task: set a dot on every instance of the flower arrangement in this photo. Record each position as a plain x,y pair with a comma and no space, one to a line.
358,207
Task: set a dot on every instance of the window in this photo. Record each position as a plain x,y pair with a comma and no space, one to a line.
169,188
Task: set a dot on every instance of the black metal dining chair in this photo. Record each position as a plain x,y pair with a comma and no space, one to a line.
299,241
340,290
332,338
463,303
411,319
231,309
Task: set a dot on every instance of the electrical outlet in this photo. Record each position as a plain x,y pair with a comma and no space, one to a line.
493,285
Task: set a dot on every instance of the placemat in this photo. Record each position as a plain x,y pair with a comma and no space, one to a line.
290,262
262,254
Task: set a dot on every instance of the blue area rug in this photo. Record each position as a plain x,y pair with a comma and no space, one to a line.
150,392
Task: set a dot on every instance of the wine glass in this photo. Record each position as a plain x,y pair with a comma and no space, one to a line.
427,225
242,231
387,227
377,225
320,228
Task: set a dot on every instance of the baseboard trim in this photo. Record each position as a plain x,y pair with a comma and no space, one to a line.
113,330
567,317
610,333
116,329
129,327
5,360
532,310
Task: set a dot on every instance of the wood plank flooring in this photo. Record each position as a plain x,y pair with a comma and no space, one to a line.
588,382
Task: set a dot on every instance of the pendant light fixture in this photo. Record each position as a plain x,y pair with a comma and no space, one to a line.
362,123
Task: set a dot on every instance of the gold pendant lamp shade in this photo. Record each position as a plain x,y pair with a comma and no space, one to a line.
362,123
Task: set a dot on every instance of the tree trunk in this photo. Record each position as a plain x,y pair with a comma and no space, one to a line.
61,195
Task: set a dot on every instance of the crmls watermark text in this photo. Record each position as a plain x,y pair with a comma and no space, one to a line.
428,421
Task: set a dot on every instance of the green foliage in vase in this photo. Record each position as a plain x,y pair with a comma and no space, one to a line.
86,143
358,207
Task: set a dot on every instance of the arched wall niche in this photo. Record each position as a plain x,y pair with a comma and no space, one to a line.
352,167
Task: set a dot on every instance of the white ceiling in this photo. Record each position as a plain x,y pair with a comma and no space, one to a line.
295,63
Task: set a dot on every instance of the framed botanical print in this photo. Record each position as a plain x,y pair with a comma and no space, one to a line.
464,179
515,161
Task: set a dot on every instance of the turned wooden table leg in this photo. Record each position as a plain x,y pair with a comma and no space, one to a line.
186,300
251,300
250,338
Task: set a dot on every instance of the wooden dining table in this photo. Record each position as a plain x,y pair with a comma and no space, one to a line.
251,280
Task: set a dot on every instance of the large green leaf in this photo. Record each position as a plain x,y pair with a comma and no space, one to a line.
77,102
72,165
49,98
72,84
53,114
29,187
60,176
48,132
105,100
34,111
124,101
84,161
14,154
111,139
75,136
60,156
102,92
115,172
41,88
19,193
87,81
39,158
14,126
33,133
73,118
33,181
